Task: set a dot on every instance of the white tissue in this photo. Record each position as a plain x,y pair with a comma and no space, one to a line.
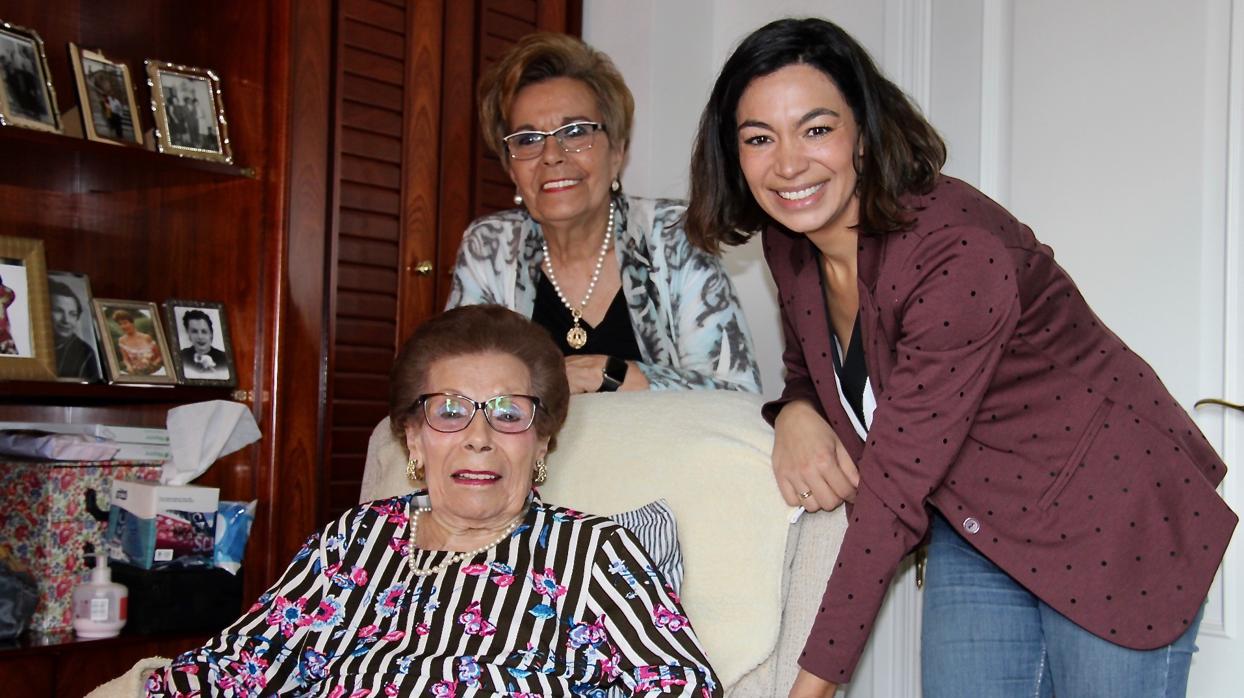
202,432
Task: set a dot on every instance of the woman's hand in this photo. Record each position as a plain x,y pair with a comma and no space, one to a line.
812,686
585,372
809,457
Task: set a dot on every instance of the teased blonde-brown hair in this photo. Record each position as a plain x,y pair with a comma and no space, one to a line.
543,56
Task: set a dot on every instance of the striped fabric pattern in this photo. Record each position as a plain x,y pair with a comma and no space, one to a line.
656,529
570,604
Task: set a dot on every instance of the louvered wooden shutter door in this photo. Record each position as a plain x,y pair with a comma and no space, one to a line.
410,171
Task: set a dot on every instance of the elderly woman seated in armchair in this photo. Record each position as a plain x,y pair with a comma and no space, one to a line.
473,586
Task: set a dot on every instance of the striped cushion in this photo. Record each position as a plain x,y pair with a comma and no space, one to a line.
657,530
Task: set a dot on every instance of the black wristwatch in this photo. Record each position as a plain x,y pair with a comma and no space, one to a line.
613,375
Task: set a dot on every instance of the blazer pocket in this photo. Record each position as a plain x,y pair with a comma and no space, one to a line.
1073,462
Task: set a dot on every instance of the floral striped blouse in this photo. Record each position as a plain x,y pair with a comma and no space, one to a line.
569,604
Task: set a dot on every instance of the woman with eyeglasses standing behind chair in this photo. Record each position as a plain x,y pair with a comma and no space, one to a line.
628,299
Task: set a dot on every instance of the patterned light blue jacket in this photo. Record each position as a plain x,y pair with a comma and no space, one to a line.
688,323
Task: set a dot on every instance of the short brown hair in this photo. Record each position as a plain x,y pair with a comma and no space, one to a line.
543,56
119,316
479,329
902,153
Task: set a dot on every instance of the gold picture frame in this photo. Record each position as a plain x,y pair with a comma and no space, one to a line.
133,341
26,348
189,112
26,95
106,98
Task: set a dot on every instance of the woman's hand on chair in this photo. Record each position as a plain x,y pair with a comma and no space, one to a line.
810,463
808,685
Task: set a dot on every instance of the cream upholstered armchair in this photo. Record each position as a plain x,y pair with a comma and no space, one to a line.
752,581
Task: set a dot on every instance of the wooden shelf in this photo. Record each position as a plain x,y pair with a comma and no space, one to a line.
51,393
70,163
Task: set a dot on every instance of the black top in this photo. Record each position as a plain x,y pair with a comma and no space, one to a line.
852,371
614,336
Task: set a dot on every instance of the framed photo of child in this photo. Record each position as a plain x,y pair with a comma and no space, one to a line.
25,322
106,94
133,341
203,353
26,95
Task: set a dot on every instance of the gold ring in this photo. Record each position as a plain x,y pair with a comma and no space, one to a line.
805,495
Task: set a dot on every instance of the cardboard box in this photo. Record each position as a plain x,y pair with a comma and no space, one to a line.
152,525
45,521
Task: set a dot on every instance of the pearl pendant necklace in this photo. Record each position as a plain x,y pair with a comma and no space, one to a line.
576,336
457,557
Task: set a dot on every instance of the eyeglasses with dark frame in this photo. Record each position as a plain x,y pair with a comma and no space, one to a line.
451,412
574,137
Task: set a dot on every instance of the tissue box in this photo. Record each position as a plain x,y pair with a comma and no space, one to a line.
45,520
152,525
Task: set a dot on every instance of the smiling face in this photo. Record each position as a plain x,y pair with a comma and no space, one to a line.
477,477
65,315
797,145
560,187
200,334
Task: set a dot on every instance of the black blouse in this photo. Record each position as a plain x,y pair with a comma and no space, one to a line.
614,336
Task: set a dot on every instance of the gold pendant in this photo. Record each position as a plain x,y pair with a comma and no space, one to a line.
576,337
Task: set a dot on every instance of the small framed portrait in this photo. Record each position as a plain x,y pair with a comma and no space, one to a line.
189,113
133,341
106,93
203,353
26,95
73,328
25,322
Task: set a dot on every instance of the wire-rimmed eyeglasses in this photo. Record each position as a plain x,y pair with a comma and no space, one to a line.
574,137
450,412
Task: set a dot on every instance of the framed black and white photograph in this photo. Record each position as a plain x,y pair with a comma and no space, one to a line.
203,352
73,328
133,341
106,96
25,324
26,95
189,114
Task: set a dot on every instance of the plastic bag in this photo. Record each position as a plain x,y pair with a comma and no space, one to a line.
18,598
233,528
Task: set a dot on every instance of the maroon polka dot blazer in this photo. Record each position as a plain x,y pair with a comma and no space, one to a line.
1004,403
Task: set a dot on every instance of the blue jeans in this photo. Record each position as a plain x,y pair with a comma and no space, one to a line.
985,636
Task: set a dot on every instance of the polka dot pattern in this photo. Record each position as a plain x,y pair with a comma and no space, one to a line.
1005,403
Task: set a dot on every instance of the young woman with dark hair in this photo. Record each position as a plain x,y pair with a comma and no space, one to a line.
945,375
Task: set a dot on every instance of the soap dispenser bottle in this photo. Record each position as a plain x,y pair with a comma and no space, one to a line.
99,606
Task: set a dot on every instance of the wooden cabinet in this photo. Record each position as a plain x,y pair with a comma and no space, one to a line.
148,226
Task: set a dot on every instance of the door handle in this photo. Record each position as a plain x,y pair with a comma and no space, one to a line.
1218,401
423,268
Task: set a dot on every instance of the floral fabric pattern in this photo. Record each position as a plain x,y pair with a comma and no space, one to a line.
544,613
688,323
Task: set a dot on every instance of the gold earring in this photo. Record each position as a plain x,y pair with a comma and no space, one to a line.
414,471
542,472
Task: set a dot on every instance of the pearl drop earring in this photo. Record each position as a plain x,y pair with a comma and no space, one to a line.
518,199
615,186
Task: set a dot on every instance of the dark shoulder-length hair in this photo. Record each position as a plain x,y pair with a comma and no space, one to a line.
902,152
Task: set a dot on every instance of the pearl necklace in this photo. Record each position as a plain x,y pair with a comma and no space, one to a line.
457,557
576,337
